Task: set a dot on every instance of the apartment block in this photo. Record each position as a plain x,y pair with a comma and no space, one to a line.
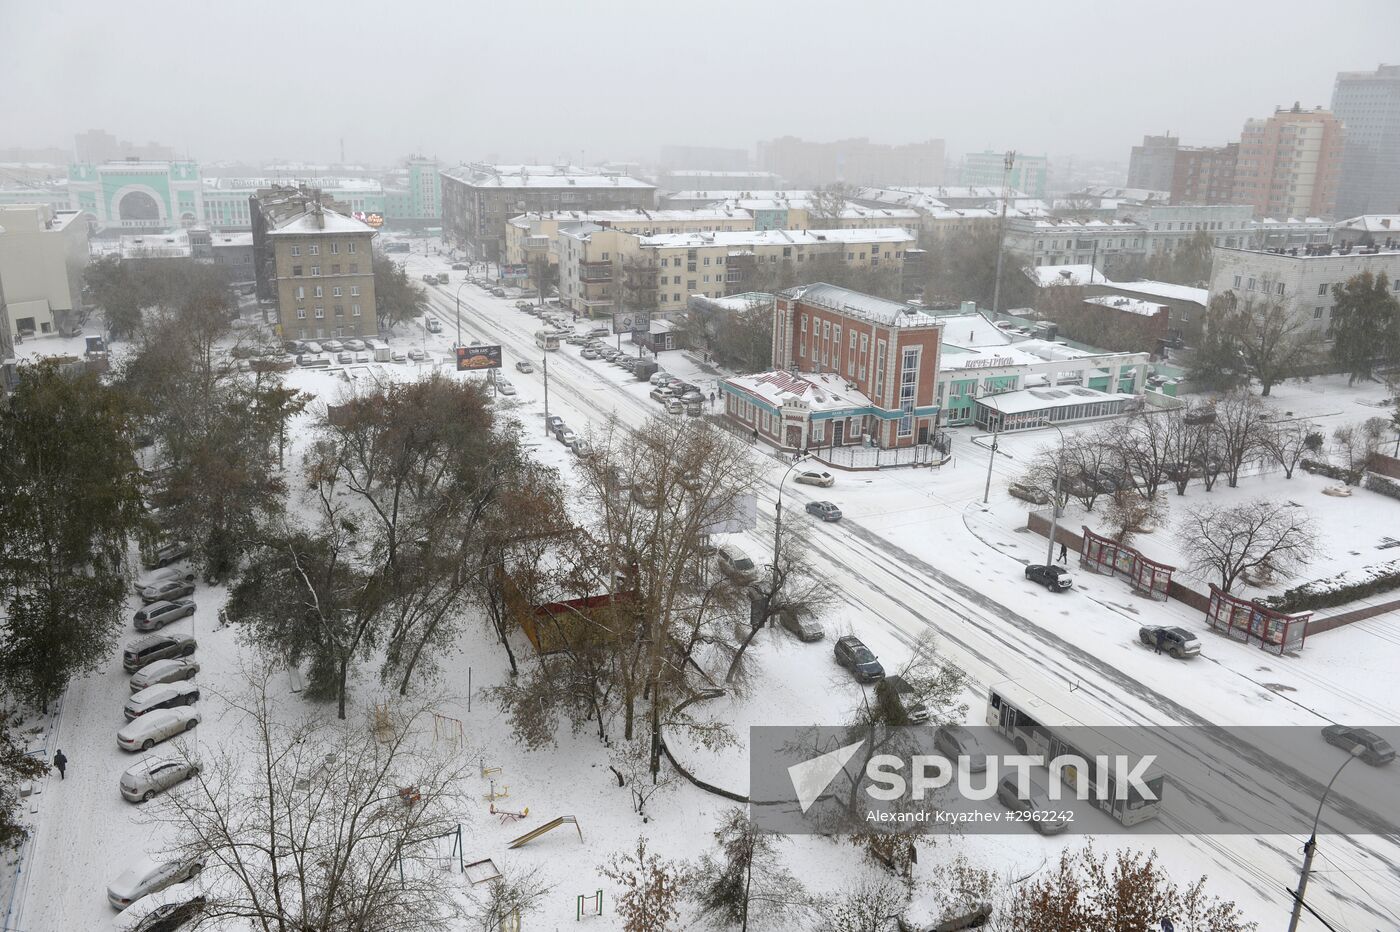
533,234
1108,244
1299,278
318,264
1204,174
988,169
1151,164
1290,163
43,253
1368,104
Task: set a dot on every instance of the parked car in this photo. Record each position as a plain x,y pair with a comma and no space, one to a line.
1036,801
157,615
143,650
163,574
852,654
150,776
165,590
498,292
619,482
827,511
901,700
599,332
167,910
364,357
805,627
935,916
589,353
312,347
736,564
294,346
955,741
661,394
147,875
160,696
313,361
817,477
354,344
580,448
659,378
1362,742
1178,642
332,346
1028,493
443,278
417,355
504,387
434,325
170,670
460,267
554,422
398,356
167,554
1052,577
345,357
566,436
574,339
430,278
146,731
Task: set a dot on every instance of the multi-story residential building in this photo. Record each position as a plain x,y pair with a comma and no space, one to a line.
1300,279
987,169
1204,174
699,179
1368,104
42,256
479,199
529,235
1151,164
234,251
1289,233
1168,228
137,195
1367,229
854,161
601,270
414,199
1111,245
316,262
700,198
879,357
1290,163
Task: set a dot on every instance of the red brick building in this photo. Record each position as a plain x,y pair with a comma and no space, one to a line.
885,352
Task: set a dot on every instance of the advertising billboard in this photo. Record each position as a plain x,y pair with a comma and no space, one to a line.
475,358
631,321
515,271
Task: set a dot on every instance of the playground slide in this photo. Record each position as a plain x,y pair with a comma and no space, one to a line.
553,824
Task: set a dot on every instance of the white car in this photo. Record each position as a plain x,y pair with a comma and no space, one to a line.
144,733
171,670
147,875
160,696
164,574
504,387
152,775
354,345
164,910
815,477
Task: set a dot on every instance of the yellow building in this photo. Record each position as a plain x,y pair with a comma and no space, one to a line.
533,234
324,275
602,270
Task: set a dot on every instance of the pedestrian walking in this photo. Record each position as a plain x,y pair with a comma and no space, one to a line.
712,399
1064,554
60,762
1161,636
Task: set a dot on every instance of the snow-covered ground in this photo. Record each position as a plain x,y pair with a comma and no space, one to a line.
916,552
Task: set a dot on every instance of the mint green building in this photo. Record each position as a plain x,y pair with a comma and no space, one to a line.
138,195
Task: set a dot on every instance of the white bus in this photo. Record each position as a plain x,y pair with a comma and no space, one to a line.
546,340
1038,725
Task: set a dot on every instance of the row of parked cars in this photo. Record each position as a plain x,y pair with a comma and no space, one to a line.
158,894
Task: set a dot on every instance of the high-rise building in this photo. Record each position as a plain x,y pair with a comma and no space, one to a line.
1368,104
854,161
1204,174
1151,164
986,169
1290,163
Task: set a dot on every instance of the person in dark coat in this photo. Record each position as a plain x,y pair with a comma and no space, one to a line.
1064,554
60,762
1161,636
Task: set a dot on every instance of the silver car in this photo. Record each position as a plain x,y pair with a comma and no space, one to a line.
145,732
159,614
171,670
160,696
165,590
146,778
147,875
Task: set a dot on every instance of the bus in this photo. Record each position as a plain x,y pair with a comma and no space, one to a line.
1043,726
546,340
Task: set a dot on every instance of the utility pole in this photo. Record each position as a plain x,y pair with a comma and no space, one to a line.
1055,502
546,394
1310,847
987,492
459,312
1001,228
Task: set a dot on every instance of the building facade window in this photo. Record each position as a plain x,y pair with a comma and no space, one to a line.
320,313
296,250
354,310
908,383
313,250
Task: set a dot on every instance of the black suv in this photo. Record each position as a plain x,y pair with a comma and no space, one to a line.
1052,577
852,653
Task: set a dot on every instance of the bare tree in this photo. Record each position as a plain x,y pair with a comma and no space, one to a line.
1357,443
1142,444
321,825
1287,442
630,763
792,586
1240,429
870,906
1185,440
511,896
1262,534
1130,512
1262,338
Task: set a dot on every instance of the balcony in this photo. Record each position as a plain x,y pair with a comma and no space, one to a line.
595,272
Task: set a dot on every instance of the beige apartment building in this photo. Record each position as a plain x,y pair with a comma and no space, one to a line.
533,234
324,275
1290,164
43,253
602,270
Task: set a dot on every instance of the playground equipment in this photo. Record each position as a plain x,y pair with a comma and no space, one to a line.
508,816
493,795
483,871
410,795
488,771
553,824
382,724
595,904
448,729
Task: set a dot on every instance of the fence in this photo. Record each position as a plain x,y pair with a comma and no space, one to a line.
1105,555
861,457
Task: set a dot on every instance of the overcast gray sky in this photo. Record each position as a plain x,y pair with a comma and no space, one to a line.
551,79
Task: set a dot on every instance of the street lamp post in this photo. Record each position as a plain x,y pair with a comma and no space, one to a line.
1311,846
778,533
459,311
1055,502
545,363
991,458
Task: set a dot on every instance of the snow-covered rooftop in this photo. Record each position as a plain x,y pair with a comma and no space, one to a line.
733,195
367,185
1036,399
741,302
1091,225
1165,290
604,217
972,330
740,238
820,391
1127,305
1372,223
1047,276
864,306
539,176
718,175
1122,194
309,224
